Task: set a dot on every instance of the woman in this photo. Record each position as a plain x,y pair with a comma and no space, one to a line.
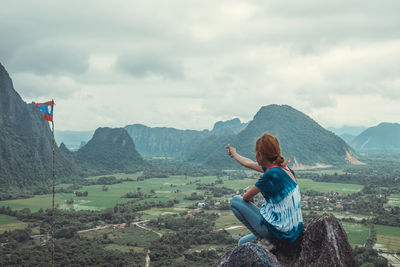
279,217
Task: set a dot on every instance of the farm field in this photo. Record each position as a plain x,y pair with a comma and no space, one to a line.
394,200
357,234
165,188
129,236
4,219
388,237
341,215
8,223
308,184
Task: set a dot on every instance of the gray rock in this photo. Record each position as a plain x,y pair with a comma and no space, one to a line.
25,142
248,254
323,243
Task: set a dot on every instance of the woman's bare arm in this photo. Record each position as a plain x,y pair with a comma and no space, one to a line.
249,195
248,163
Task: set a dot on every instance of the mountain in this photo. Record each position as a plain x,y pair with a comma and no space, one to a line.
352,130
73,139
110,149
348,138
384,137
210,145
301,138
226,128
26,142
176,143
164,142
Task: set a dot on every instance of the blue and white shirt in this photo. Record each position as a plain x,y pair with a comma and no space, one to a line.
281,206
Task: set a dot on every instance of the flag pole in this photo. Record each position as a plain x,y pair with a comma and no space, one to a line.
53,189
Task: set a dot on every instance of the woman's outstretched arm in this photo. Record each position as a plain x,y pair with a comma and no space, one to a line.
248,163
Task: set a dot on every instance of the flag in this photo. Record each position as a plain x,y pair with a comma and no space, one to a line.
47,109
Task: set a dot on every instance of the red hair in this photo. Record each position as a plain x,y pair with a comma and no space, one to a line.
268,146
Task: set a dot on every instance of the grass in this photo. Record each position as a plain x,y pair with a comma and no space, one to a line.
308,184
394,200
340,215
388,237
5,219
8,223
305,185
133,235
387,230
226,219
357,234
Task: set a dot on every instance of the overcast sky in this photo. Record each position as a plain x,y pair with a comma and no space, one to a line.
187,64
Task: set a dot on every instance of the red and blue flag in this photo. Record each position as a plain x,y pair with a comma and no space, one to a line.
47,109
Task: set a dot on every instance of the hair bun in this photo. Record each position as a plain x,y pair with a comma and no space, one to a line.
280,160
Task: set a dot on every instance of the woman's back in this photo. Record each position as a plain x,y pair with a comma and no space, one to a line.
281,206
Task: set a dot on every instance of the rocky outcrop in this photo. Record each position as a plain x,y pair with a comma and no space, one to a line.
110,149
25,142
323,243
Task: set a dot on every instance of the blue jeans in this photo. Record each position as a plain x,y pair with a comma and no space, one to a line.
249,214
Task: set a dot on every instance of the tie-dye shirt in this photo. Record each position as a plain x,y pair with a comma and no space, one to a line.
281,206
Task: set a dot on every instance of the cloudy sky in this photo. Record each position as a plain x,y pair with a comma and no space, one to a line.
188,64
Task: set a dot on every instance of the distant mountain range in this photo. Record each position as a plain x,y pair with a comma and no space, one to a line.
171,142
163,141
384,137
302,139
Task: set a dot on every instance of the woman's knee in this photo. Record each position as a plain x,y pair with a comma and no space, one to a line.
247,238
235,201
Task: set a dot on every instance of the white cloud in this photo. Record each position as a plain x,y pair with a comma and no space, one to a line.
188,64
33,87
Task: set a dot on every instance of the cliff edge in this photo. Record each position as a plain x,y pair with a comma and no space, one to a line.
323,243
